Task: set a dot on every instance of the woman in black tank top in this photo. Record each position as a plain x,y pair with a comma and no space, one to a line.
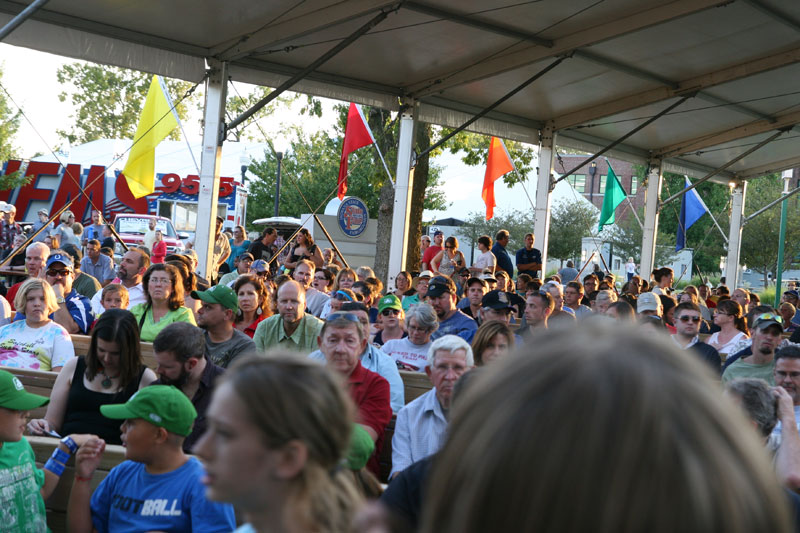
111,372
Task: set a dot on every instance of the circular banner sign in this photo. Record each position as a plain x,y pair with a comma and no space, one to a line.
353,216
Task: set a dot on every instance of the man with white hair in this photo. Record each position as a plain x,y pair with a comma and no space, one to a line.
559,312
36,255
422,424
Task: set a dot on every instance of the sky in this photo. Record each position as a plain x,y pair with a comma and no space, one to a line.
29,77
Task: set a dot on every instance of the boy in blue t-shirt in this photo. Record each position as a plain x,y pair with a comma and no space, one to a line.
159,487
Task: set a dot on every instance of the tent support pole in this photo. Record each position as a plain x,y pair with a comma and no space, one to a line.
735,235
544,185
210,159
398,244
655,180
24,15
374,21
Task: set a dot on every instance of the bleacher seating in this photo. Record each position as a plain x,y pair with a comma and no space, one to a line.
56,504
81,344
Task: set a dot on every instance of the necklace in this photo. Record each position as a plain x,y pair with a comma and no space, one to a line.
106,383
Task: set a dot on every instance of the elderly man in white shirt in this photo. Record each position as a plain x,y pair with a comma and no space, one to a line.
422,424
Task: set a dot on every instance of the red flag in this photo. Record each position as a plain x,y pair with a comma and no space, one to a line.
356,135
498,163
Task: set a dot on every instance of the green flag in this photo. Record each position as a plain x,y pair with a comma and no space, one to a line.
614,196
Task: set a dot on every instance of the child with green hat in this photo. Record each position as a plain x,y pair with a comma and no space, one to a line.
158,487
23,487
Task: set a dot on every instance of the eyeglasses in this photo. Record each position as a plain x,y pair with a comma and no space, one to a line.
350,317
693,319
720,313
387,312
160,281
53,273
342,296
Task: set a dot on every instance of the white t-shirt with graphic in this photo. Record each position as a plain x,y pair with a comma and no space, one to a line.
43,348
406,354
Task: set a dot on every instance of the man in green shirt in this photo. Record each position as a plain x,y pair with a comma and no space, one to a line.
291,328
766,332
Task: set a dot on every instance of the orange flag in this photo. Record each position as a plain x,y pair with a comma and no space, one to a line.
498,163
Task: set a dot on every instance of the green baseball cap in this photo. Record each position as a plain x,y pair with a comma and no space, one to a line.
162,405
390,301
14,396
361,448
218,294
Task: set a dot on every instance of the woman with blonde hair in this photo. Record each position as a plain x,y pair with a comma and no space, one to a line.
37,342
653,453
278,431
64,231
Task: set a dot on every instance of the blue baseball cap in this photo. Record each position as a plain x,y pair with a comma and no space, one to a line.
259,265
64,259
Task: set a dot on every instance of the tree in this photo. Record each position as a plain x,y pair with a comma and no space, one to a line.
626,237
703,237
9,124
761,235
312,163
109,100
516,222
570,222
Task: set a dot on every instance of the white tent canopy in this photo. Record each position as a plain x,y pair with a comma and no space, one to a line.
625,60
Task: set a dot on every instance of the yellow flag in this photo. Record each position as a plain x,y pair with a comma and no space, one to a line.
157,120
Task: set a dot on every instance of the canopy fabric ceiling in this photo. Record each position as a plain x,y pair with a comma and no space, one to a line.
626,60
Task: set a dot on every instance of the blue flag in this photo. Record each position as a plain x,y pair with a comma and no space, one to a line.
692,208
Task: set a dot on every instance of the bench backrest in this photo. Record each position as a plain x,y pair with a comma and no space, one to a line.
56,504
415,384
81,344
37,382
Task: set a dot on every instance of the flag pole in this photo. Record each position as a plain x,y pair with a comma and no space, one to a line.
174,110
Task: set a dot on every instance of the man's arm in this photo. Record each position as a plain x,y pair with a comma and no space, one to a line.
62,316
787,458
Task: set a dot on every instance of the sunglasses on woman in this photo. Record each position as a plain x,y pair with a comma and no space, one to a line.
387,312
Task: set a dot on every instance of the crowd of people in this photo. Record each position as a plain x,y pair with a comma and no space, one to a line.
538,383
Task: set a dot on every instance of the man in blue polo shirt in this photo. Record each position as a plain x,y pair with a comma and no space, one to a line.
499,251
442,297
529,259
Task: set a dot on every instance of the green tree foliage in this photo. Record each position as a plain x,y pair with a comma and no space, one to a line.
108,101
626,237
9,124
238,102
312,162
474,149
516,222
570,222
761,235
703,237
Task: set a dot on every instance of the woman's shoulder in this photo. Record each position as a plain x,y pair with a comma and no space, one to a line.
137,309
182,314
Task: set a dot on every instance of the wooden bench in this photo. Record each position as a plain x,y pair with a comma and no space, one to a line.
81,344
56,504
415,384
37,382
